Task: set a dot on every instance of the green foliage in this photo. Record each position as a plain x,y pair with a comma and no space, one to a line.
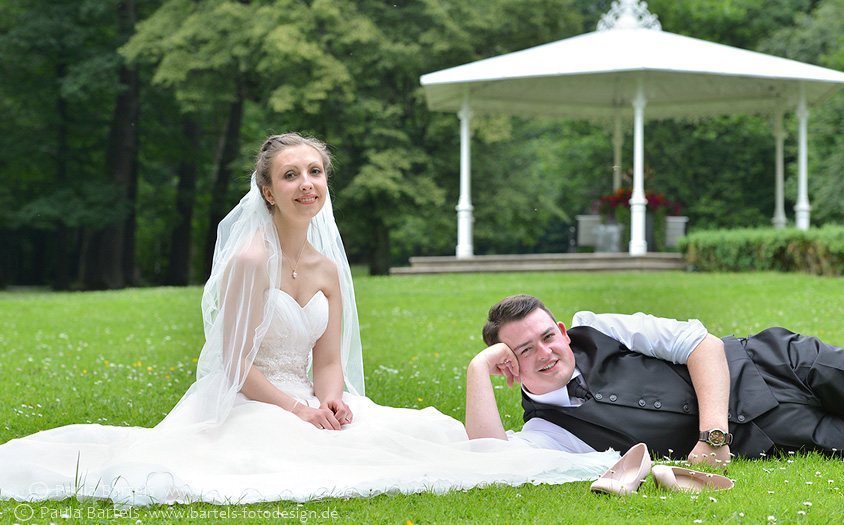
738,23
526,196
413,193
721,172
382,180
814,36
348,72
826,184
817,251
531,176
59,73
195,48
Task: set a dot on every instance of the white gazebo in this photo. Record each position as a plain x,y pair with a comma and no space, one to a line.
627,71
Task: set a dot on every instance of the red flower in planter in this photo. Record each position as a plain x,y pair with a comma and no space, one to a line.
607,204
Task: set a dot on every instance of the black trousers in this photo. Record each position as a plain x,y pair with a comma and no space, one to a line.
806,376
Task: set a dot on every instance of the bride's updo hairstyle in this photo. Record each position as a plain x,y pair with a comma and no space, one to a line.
276,143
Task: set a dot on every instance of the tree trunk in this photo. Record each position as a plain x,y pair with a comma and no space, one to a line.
112,251
227,152
178,269
379,248
115,251
61,280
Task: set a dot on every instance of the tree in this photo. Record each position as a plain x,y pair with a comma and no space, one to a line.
221,58
59,67
178,268
738,23
150,146
112,260
401,158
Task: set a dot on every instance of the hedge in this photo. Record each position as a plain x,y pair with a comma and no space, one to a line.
816,250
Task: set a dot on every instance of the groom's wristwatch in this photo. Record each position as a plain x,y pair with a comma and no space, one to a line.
716,437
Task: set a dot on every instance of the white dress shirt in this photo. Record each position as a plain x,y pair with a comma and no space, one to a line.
659,337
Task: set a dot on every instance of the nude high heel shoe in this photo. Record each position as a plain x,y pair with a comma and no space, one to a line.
627,474
682,479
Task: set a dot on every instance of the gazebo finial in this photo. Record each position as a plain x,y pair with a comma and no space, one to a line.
629,14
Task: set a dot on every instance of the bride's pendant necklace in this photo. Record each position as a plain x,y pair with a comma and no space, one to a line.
294,266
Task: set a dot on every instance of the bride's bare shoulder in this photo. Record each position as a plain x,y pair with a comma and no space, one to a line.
251,255
326,271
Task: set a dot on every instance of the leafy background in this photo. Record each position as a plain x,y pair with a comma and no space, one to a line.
128,128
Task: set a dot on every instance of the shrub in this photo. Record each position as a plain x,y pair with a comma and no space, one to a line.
817,251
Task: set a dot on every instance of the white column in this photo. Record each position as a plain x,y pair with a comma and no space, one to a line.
802,208
779,220
638,202
617,143
465,219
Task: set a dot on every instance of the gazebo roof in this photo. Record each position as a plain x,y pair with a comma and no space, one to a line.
595,75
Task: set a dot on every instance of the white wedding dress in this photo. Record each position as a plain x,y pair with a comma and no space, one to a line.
264,453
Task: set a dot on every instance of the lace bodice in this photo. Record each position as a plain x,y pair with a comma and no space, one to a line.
285,351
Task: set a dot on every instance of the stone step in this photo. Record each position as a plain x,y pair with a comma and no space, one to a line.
545,262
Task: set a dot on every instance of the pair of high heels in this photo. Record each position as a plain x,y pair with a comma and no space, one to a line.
631,470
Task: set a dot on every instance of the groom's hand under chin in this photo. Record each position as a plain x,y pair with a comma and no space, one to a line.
501,361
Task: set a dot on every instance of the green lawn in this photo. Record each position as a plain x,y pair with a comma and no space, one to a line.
125,358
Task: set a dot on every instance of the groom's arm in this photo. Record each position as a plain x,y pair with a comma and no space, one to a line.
482,417
710,375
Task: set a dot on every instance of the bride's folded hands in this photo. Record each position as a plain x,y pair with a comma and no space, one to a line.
340,409
321,417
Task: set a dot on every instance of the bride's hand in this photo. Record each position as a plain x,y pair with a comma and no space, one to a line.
322,417
340,410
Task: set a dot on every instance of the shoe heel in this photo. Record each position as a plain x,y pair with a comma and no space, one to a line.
627,474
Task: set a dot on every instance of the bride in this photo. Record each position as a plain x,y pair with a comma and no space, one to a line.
278,409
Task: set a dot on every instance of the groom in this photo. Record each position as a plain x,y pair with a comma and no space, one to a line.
612,381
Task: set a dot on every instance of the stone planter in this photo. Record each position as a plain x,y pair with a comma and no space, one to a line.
591,231
675,227
608,238
587,228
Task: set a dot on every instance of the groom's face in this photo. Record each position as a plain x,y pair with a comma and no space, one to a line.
542,346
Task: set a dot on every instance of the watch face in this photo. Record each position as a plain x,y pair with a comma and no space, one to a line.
716,437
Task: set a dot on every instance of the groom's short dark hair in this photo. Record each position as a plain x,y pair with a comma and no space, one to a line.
510,309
